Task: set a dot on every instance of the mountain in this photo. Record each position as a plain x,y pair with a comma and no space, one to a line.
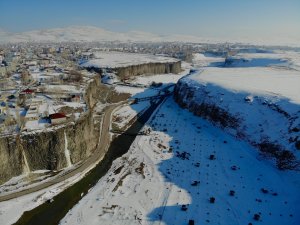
87,34
91,34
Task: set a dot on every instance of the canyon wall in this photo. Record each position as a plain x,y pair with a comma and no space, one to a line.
141,69
46,150
262,123
149,68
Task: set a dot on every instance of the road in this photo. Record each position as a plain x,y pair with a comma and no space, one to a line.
100,151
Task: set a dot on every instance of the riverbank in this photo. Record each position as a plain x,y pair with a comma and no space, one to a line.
68,198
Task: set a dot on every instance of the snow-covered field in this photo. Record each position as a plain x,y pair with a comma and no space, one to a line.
136,91
120,59
63,88
146,81
276,58
256,80
263,94
188,169
125,114
12,210
187,161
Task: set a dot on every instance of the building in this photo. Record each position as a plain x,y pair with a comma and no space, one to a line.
28,92
76,98
33,110
3,107
57,118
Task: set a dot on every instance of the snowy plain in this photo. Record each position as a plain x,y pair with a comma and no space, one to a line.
185,160
12,210
121,59
264,97
161,171
188,169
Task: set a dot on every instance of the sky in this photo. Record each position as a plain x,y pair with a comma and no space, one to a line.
204,18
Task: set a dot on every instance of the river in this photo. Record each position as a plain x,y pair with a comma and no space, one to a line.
51,213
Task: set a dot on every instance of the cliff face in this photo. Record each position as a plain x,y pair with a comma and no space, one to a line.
149,68
12,162
252,119
48,149
185,96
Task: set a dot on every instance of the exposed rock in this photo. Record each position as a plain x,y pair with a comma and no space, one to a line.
45,150
149,68
184,96
198,99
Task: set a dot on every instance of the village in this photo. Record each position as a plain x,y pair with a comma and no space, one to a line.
40,87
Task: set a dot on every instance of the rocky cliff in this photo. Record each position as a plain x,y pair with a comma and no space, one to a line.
149,68
185,96
252,119
126,72
56,147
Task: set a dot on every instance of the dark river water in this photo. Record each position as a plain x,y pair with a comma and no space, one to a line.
52,213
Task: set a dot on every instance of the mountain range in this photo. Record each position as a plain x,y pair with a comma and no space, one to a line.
89,34
96,34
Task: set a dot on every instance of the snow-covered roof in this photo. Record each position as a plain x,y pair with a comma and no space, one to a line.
121,59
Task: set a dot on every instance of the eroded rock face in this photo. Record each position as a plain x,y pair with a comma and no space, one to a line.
199,100
142,69
46,150
11,157
185,96
149,68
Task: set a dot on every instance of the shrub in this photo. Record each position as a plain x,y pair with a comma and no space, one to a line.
286,160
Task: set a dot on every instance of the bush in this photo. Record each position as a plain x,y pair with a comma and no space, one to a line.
212,200
286,160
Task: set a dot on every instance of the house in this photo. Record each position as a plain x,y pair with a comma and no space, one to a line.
57,118
32,113
76,98
64,97
31,116
28,92
33,110
3,108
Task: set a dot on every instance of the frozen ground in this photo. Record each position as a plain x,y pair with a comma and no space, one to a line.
137,92
173,166
119,59
125,114
12,210
187,161
134,86
64,88
260,81
261,90
276,58
200,60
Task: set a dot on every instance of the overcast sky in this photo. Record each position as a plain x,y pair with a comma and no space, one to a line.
205,18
